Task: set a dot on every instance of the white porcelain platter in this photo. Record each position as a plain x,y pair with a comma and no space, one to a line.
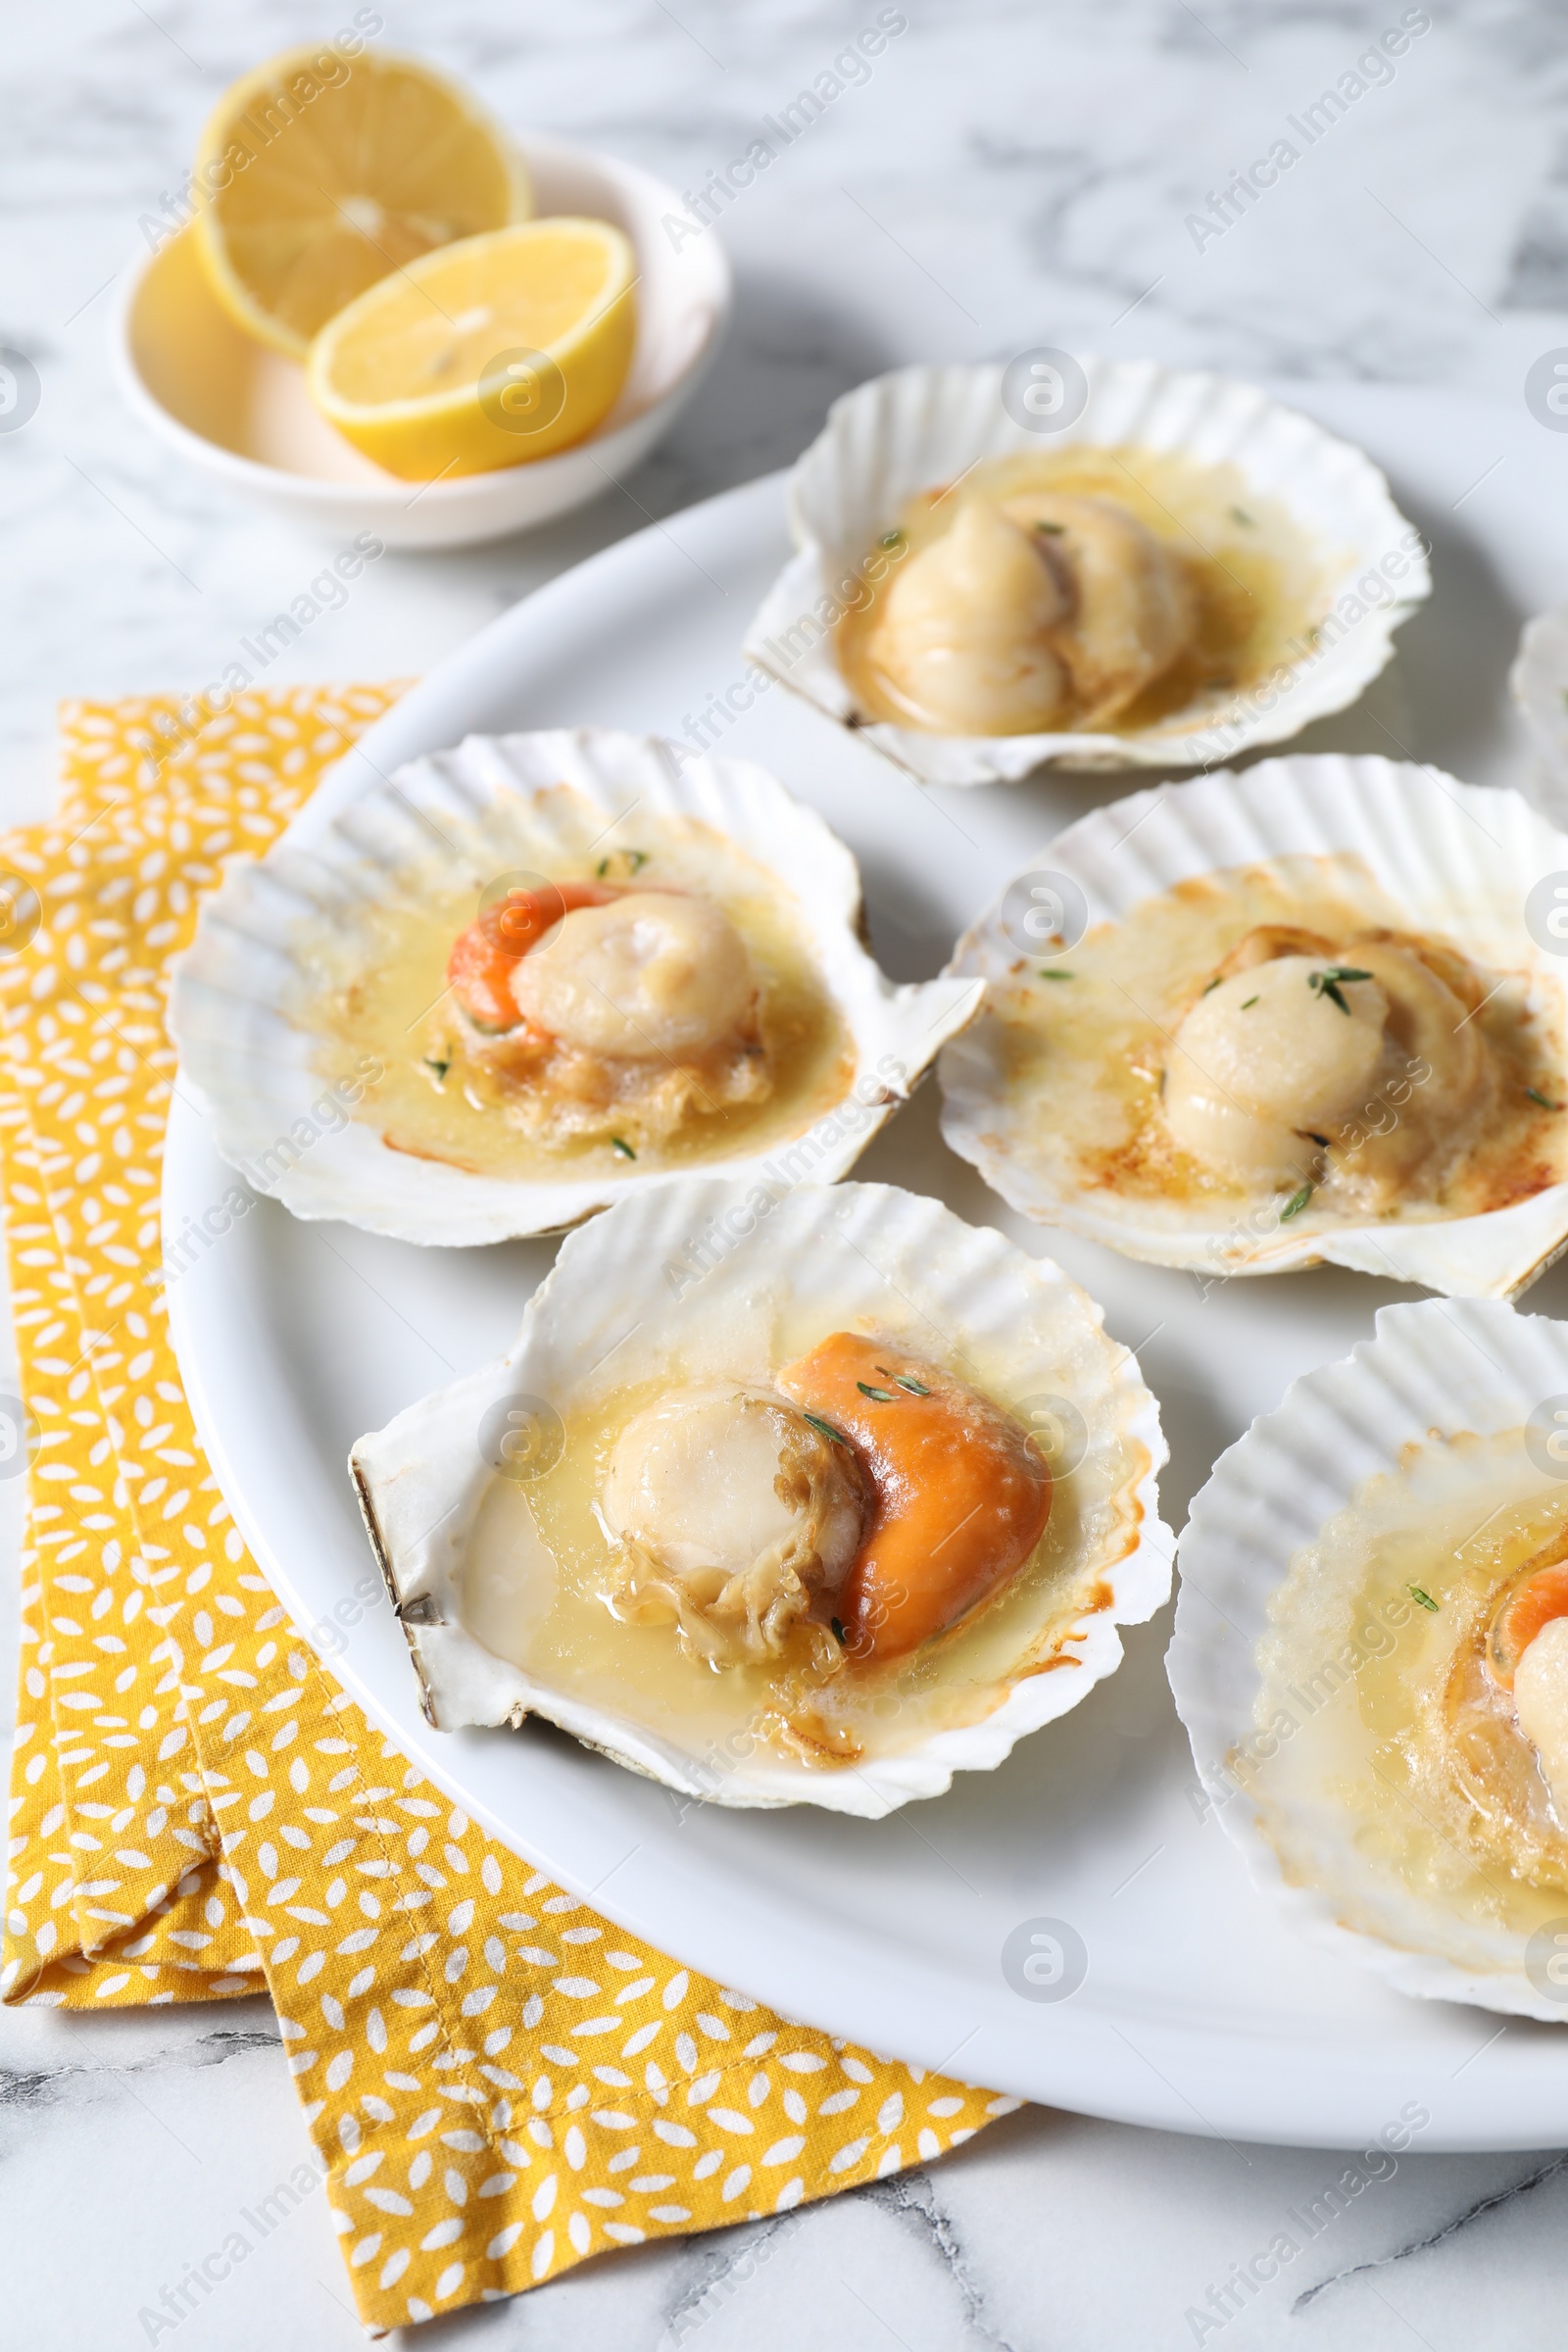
1200,2010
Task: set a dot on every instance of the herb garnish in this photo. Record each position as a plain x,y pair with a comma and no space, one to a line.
1327,983
635,859
625,1150
440,1067
1295,1203
1423,1599
1214,984
1050,972
1545,1102
826,1428
1054,528
1247,1002
880,1395
916,1387
1241,516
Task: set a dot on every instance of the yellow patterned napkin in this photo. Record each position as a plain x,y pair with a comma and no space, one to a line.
497,2082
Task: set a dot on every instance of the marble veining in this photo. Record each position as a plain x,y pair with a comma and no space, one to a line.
1437,2238
1010,171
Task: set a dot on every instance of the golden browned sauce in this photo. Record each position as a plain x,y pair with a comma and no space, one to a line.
539,1565
1258,583
1083,1042
381,991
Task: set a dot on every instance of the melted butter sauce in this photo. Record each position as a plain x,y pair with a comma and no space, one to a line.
381,991
1412,1776
539,1561
1258,582
1083,1056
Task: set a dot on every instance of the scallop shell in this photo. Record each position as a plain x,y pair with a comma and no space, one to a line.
608,1317
1460,857
1432,1371
920,426
1538,683
240,1007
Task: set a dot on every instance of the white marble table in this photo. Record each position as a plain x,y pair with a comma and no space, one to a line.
1013,170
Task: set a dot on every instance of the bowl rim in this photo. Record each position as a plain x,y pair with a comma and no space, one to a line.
469,491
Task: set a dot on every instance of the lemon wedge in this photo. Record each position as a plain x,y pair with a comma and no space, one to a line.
318,173
486,354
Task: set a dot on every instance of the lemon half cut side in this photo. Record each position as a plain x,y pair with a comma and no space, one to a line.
490,353
320,173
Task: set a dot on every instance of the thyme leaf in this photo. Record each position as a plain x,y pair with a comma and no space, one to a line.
1326,983
1423,1599
916,1387
1048,973
625,1150
880,1395
1545,1102
1247,1002
826,1428
1295,1203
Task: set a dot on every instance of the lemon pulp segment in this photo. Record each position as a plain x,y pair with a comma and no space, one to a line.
319,175
485,354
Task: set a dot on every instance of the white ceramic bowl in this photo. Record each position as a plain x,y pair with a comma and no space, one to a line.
241,414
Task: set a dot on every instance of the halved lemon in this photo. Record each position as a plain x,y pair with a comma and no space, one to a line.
490,353
318,173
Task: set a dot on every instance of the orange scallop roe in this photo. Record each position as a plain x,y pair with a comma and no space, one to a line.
1538,1594
480,967
962,1490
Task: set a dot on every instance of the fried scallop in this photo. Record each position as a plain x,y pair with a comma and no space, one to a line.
1261,1018
809,1497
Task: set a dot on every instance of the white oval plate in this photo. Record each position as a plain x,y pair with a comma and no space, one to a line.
1200,2010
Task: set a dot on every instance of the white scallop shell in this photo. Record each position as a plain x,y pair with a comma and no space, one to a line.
1539,681
921,426
1432,1371
606,1318
1460,857
241,1009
